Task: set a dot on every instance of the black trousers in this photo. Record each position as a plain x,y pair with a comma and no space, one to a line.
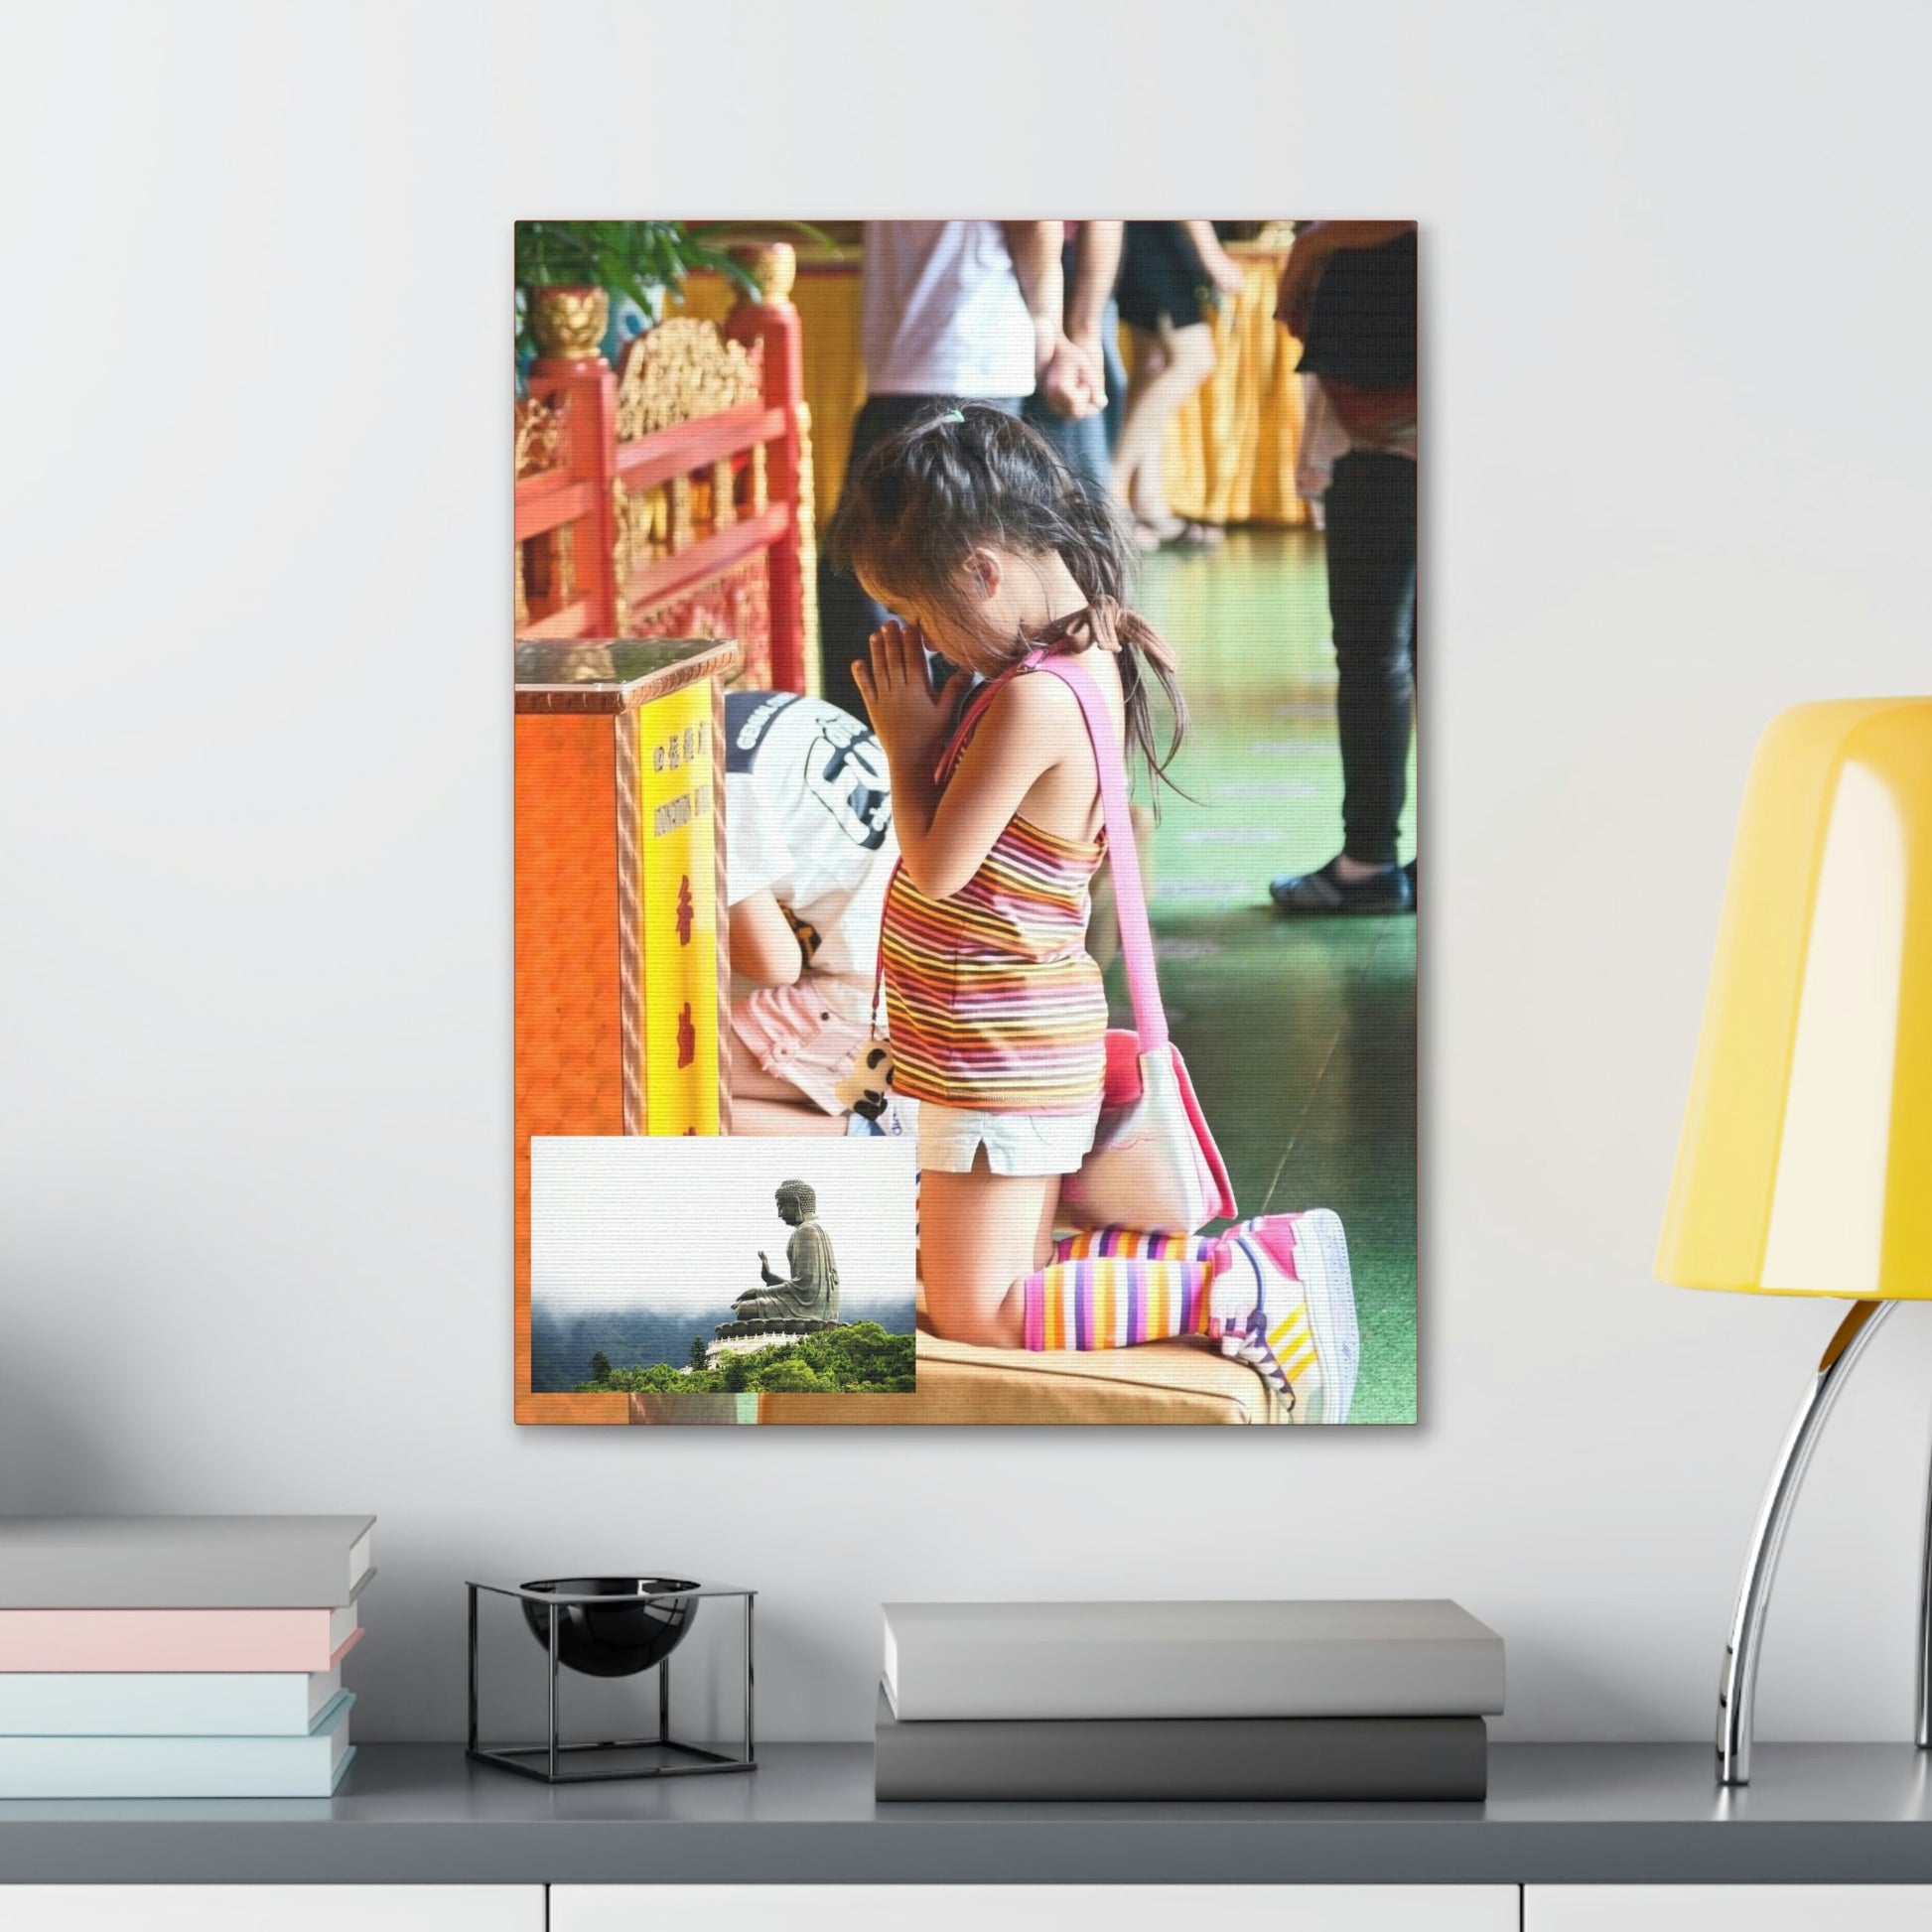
1371,532
847,617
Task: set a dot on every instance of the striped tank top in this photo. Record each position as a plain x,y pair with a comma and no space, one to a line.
992,999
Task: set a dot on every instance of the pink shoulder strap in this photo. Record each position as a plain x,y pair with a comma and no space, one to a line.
1130,899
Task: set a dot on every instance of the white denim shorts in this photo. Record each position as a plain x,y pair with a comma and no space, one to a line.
949,1137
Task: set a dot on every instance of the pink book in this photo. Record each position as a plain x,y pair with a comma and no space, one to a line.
169,1640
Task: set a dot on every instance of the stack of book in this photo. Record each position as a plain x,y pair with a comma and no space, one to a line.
1223,1700
178,1656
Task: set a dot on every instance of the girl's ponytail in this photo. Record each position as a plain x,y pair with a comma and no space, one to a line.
1099,554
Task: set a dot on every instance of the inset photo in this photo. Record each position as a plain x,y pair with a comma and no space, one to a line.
688,1267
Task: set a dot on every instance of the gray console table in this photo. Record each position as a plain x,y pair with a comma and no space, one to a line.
1557,1815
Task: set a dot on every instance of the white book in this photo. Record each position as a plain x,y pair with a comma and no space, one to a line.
163,1703
1399,1658
310,1767
184,1563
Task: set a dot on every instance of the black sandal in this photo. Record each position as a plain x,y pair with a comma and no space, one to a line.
1389,890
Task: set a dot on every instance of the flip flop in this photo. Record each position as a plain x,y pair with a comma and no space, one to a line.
1193,535
1183,534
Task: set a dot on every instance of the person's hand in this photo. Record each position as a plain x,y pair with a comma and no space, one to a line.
1069,382
765,1257
1294,295
1096,360
908,716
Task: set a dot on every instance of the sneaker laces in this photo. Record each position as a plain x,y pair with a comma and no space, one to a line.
1249,1345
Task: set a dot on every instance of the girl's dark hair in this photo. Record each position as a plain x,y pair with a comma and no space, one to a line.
966,473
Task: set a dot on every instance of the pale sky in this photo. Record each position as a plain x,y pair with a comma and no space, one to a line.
623,1221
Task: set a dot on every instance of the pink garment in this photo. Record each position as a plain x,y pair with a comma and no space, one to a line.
797,1035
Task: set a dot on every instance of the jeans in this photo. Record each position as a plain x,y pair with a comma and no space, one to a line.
1082,445
1371,535
847,617
1116,374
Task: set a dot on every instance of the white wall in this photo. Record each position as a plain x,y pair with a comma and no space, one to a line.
256,962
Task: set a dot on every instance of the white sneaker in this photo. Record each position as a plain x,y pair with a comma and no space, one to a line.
1301,1334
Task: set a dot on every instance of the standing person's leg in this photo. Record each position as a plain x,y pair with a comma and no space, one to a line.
1371,545
1116,372
1168,366
1374,609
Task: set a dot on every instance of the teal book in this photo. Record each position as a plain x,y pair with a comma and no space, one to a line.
309,1766
165,1703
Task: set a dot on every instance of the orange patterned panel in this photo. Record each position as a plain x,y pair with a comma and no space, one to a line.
568,1064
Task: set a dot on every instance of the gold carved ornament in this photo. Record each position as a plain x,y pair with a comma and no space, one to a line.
634,518
775,267
680,370
682,531
567,323
539,437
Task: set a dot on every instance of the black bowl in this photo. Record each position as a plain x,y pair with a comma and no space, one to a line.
612,1639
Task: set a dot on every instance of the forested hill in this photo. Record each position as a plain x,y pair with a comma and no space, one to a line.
562,1343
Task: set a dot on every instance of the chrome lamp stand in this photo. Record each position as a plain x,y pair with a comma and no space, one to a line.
1737,1694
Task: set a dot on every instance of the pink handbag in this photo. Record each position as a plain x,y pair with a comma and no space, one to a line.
1153,1165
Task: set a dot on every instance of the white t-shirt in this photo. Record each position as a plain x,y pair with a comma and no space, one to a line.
944,312
809,813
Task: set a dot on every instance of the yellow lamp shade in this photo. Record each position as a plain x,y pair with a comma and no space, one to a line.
1805,1165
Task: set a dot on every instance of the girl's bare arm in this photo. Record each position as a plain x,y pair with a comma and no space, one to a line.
945,835
765,948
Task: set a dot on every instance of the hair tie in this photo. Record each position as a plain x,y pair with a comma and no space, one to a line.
1107,624
951,416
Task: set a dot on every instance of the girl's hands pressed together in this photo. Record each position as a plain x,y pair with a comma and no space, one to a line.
908,716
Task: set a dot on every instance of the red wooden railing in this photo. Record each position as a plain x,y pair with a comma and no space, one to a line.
672,498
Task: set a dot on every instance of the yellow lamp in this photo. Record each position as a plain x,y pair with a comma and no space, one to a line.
1805,1165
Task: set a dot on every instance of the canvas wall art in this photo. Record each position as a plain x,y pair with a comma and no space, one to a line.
965,879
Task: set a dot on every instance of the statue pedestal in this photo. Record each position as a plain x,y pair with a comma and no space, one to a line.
747,1337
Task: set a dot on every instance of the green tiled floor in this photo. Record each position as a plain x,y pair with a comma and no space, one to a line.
1300,1034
